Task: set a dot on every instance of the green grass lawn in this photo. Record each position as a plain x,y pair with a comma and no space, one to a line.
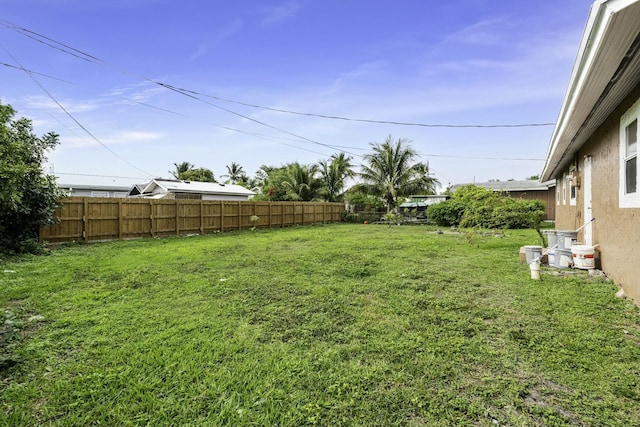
320,325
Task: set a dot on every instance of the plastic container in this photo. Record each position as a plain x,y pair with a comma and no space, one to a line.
532,252
583,257
535,270
551,256
567,238
563,258
552,238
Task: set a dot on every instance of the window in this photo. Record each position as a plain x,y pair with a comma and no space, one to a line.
565,180
99,194
572,190
558,192
631,157
628,189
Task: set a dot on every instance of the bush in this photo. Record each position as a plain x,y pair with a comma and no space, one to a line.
446,214
472,206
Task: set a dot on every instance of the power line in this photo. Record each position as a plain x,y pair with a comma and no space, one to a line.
95,138
481,158
34,72
90,58
99,176
185,92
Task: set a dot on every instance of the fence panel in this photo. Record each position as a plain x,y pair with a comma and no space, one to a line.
96,219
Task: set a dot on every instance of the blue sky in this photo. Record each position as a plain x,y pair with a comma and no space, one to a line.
459,62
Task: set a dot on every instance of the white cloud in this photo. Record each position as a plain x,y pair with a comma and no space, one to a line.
78,140
48,104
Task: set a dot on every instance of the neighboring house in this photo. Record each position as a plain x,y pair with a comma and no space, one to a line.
525,189
421,202
175,189
593,153
89,190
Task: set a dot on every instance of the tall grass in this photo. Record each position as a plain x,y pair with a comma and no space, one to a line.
323,325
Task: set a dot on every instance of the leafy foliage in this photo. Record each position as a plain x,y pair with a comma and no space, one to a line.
334,174
198,174
235,174
28,197
391,171
448,213
473,206
181,168
293,182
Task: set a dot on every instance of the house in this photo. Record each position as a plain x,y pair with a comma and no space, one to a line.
421,202
593,152
94,190
525,189
176,189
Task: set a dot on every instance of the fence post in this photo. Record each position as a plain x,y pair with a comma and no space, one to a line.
120,219
221,216
239,215
177,218
201,217
269,214
85,218
151,218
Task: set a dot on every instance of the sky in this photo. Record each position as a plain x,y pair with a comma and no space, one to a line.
134,86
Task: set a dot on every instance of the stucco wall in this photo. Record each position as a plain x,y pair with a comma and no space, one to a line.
546,196
616,231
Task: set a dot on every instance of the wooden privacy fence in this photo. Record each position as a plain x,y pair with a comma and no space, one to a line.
96,219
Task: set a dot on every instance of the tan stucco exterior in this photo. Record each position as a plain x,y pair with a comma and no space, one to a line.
616,230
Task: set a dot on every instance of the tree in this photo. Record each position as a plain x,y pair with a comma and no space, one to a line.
302,183
334,174
198,174
28,197
292,182
234,174
181,168
391,171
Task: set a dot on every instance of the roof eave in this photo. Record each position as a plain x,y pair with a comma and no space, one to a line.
590,71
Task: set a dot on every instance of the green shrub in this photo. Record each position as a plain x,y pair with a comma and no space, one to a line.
448,213
472,206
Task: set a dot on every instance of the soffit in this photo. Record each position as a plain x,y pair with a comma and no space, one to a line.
603,75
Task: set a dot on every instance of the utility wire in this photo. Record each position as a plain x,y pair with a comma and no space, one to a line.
95,138
34,72
185,92
90,58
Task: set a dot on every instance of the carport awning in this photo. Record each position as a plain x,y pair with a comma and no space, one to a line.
414,205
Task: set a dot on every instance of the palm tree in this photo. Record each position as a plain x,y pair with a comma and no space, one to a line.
181,168
235,173
334,173
391,172
302,182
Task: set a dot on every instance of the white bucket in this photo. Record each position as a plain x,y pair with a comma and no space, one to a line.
566,238
551,256
532,253
583,257
535,270
562,258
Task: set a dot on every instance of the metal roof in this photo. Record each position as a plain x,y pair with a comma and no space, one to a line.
521,185
607,68
175,186
94,187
